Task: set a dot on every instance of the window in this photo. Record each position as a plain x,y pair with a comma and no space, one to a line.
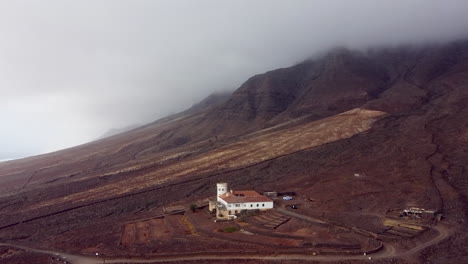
263,205
235,211
237,205
229,212
230,205
257,205
251,205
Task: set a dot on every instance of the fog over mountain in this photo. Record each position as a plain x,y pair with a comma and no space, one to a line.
72,70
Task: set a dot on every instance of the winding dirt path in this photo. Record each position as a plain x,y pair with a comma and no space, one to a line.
443,234
72,258
387,252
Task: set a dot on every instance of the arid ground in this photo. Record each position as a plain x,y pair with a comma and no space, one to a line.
357,137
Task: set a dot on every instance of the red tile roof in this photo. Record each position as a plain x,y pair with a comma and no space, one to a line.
244,197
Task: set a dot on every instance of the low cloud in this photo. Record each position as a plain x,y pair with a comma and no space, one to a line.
71,70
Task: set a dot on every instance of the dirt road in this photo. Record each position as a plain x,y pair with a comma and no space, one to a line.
443,234
74,259
387,252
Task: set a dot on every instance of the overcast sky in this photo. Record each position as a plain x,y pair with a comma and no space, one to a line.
72,70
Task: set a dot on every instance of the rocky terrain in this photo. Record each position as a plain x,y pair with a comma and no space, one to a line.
357,135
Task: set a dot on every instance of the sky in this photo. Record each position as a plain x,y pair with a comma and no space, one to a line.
72,70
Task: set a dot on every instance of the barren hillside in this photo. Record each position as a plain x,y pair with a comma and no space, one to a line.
356,135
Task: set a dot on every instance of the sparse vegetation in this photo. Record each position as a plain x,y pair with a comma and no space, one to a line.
391,222
230,229
139,174
189,225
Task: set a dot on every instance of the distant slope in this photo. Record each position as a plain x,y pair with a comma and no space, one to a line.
242,153
398,117
115,131
390,80
108,153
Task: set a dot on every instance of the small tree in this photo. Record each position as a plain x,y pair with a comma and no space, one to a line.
193,207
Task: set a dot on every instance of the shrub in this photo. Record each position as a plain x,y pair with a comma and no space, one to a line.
230,229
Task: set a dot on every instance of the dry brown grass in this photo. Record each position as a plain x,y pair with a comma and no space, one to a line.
241,154
393,222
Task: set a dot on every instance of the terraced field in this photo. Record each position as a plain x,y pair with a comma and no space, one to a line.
270,220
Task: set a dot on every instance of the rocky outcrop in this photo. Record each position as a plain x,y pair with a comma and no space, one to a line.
392,80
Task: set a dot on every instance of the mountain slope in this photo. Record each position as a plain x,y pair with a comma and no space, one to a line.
392,80
395,117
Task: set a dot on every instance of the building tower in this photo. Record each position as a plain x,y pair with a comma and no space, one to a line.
221,188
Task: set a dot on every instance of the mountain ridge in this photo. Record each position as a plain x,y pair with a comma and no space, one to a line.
411,153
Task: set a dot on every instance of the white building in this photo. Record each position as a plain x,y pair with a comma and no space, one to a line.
231,203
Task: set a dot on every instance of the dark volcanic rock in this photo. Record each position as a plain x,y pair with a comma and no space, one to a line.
417,154
392,80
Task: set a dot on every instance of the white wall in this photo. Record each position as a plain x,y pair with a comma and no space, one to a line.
221,188
249,206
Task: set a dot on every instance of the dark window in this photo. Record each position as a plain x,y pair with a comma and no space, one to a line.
251,205
257,205
263,205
